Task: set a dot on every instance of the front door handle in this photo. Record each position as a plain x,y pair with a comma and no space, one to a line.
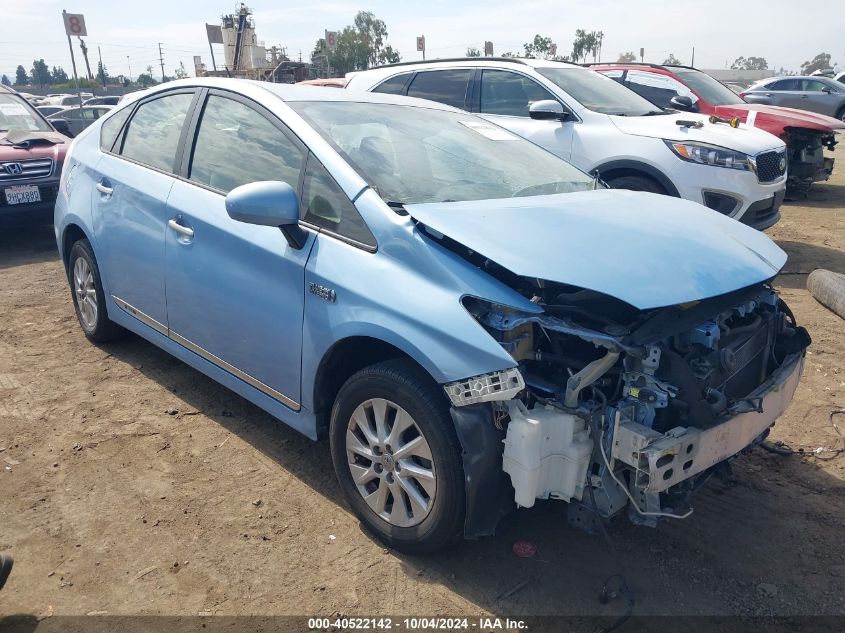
181,230
103,189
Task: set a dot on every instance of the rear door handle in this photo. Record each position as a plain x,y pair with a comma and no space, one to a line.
103,188
181,230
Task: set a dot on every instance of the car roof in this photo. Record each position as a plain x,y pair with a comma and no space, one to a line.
463,62
293,92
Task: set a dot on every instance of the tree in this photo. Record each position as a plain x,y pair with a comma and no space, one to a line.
819,62
146,79
472,51
58,75
750,63
539,47
21,78
586,44
102,73
5,80
40,73
180,73
671,60
627,58
357,47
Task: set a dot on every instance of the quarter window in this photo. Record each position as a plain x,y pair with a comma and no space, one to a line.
152,135
325,205
445,86
393,86
509,94
111,128
237,145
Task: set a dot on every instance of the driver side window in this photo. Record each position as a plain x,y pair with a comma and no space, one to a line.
510,94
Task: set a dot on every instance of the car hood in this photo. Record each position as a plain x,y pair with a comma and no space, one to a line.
16,146
743,139
775,119
645,249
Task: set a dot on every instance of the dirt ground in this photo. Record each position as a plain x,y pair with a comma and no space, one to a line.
132,484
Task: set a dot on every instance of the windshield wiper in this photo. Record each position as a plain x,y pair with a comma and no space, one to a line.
654,112
397,206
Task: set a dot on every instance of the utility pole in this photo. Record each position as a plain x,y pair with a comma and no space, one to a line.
102,68
161,59
85,55
130,68
692,62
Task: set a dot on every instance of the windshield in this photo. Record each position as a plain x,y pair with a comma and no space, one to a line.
708,88
598,93
412,155
17,116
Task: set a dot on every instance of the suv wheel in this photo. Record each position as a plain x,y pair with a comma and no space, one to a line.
89,300
636,183
397,456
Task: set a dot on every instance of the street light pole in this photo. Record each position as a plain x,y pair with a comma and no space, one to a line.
130,68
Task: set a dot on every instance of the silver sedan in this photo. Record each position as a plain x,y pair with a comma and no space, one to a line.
817,94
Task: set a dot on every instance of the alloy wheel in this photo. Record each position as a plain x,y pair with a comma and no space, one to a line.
85,292
390,462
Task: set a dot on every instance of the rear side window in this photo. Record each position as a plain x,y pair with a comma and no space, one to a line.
445,86
152,135
325,205
111,129
508,93
394,85
237,145
784,84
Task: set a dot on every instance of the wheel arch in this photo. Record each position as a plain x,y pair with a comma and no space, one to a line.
72,232
616,168
341,361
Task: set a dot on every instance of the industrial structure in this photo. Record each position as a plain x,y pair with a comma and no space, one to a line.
244,55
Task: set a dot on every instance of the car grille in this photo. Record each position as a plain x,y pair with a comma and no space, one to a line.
24,169
771,166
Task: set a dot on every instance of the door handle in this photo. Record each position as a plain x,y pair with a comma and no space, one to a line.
103,189
182,230
805,96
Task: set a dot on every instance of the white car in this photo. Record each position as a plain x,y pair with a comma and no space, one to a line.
606,129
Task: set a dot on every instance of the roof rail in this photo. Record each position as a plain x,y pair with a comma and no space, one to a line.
515,60
646,64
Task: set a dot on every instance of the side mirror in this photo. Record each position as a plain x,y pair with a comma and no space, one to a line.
61,126
548,110
683,103
268,203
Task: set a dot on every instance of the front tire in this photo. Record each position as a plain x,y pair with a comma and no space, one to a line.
637,183
89,300
397,457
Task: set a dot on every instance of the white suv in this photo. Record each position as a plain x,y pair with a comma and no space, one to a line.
606,129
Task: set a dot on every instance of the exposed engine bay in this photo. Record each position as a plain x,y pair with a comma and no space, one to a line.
615,407
806,160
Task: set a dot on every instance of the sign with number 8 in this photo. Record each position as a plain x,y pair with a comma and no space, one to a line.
75,24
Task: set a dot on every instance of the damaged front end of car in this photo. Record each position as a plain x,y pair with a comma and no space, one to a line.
640,406
807,162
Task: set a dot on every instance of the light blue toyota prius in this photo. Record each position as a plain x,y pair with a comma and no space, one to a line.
472,322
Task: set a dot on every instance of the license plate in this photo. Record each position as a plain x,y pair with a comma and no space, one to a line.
22,194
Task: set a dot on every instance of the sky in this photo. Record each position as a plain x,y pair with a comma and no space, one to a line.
719,31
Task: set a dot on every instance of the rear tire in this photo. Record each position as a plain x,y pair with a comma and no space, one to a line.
841,114
395,409
637,183
89,300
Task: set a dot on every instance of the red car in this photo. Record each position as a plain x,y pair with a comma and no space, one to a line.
806,134
31,156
